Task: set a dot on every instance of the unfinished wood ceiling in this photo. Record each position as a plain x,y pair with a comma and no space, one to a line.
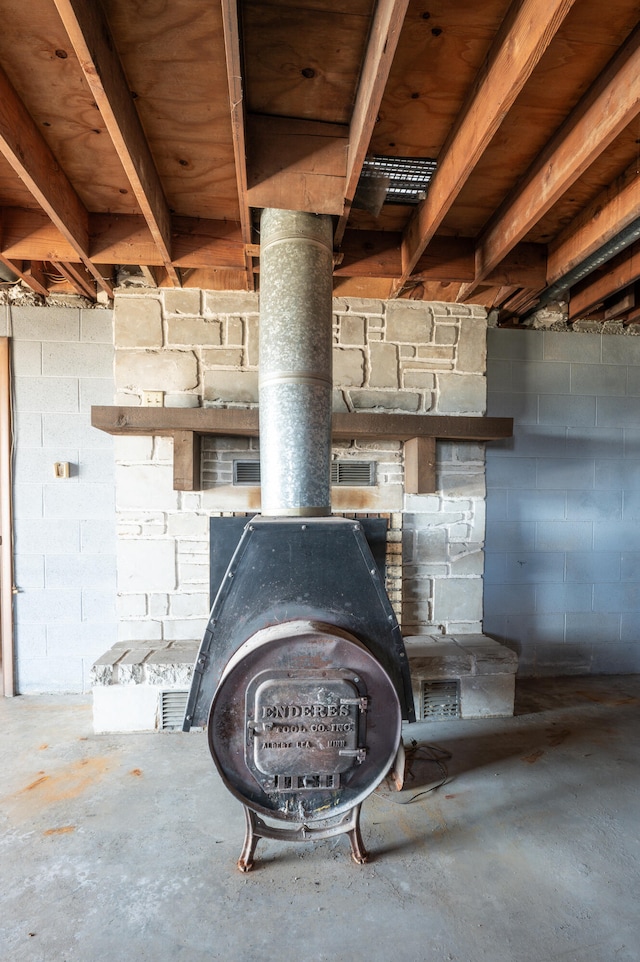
150,133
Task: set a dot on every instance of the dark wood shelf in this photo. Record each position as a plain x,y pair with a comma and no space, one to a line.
419,433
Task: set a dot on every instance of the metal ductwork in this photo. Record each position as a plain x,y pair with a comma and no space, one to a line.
296,259
302,677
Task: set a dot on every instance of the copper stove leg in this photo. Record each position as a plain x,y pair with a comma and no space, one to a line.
245,862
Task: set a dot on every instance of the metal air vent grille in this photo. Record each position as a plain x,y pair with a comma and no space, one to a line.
342,472
440,699
407,178
172,707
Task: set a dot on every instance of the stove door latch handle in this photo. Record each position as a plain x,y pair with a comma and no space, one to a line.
362,702
359,754
258,728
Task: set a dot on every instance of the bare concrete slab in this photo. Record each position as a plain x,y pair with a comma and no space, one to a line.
123,847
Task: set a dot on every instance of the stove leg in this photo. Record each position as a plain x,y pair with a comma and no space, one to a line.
359,853
245,862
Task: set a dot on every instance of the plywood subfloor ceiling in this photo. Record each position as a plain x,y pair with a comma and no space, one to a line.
150,134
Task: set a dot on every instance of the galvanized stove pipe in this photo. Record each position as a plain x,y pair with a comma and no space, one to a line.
295,363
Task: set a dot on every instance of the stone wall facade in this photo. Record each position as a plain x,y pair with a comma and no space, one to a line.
201,349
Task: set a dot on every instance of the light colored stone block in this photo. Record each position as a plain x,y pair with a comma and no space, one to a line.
146,486
383,365
138,321
182,301
348,367
471,353
194,330
408,321
235,387
352,330
156,370
385,401
457,599
487,696
230,302
145,566
222,357
131,708
461,394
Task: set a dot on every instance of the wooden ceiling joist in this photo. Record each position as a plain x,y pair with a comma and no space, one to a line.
25,149
622,271
385,32
525,35
607,108
89,34
602,221
35,283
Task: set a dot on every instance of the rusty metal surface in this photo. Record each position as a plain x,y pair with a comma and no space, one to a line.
284,569
305,722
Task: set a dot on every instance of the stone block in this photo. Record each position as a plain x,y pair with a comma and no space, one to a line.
352,329
348,367
230,302
146,486
487,696
145,566
231,387
471,352
185,301
457,599
141,628
406,401
253,342
461,394
423,380
125,708
383,370
138,321
133,447
222,357
156,370
198,331
408,322
233,332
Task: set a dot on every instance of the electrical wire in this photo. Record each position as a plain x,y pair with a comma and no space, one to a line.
428,753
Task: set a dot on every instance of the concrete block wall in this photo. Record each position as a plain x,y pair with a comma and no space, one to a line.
563,510
64,529
201,348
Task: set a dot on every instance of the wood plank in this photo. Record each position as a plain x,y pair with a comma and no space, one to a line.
244,423
186,461
420,465
80,283
24,147
524,36
609,214
296,164
609,105
6,523
24,274
618,273
383,39
89,33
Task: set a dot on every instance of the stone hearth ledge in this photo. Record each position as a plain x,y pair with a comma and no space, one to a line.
127,679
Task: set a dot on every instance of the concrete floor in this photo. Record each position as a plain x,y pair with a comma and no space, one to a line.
123,847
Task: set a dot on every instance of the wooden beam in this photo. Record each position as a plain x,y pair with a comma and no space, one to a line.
6,535
78,281
605,110
618,273
186,461
25,149
611,212
520,43
383,39
243,422
36,283
420,465
296,164
88,31
235,83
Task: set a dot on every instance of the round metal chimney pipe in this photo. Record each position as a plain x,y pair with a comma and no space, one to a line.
295,380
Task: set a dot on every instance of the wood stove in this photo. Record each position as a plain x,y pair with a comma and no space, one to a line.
302,677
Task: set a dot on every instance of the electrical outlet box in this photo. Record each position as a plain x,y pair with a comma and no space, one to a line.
153,399
61,469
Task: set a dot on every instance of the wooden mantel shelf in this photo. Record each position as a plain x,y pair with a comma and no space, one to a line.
419,433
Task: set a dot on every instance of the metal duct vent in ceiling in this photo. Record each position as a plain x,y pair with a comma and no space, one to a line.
355,473
393,180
